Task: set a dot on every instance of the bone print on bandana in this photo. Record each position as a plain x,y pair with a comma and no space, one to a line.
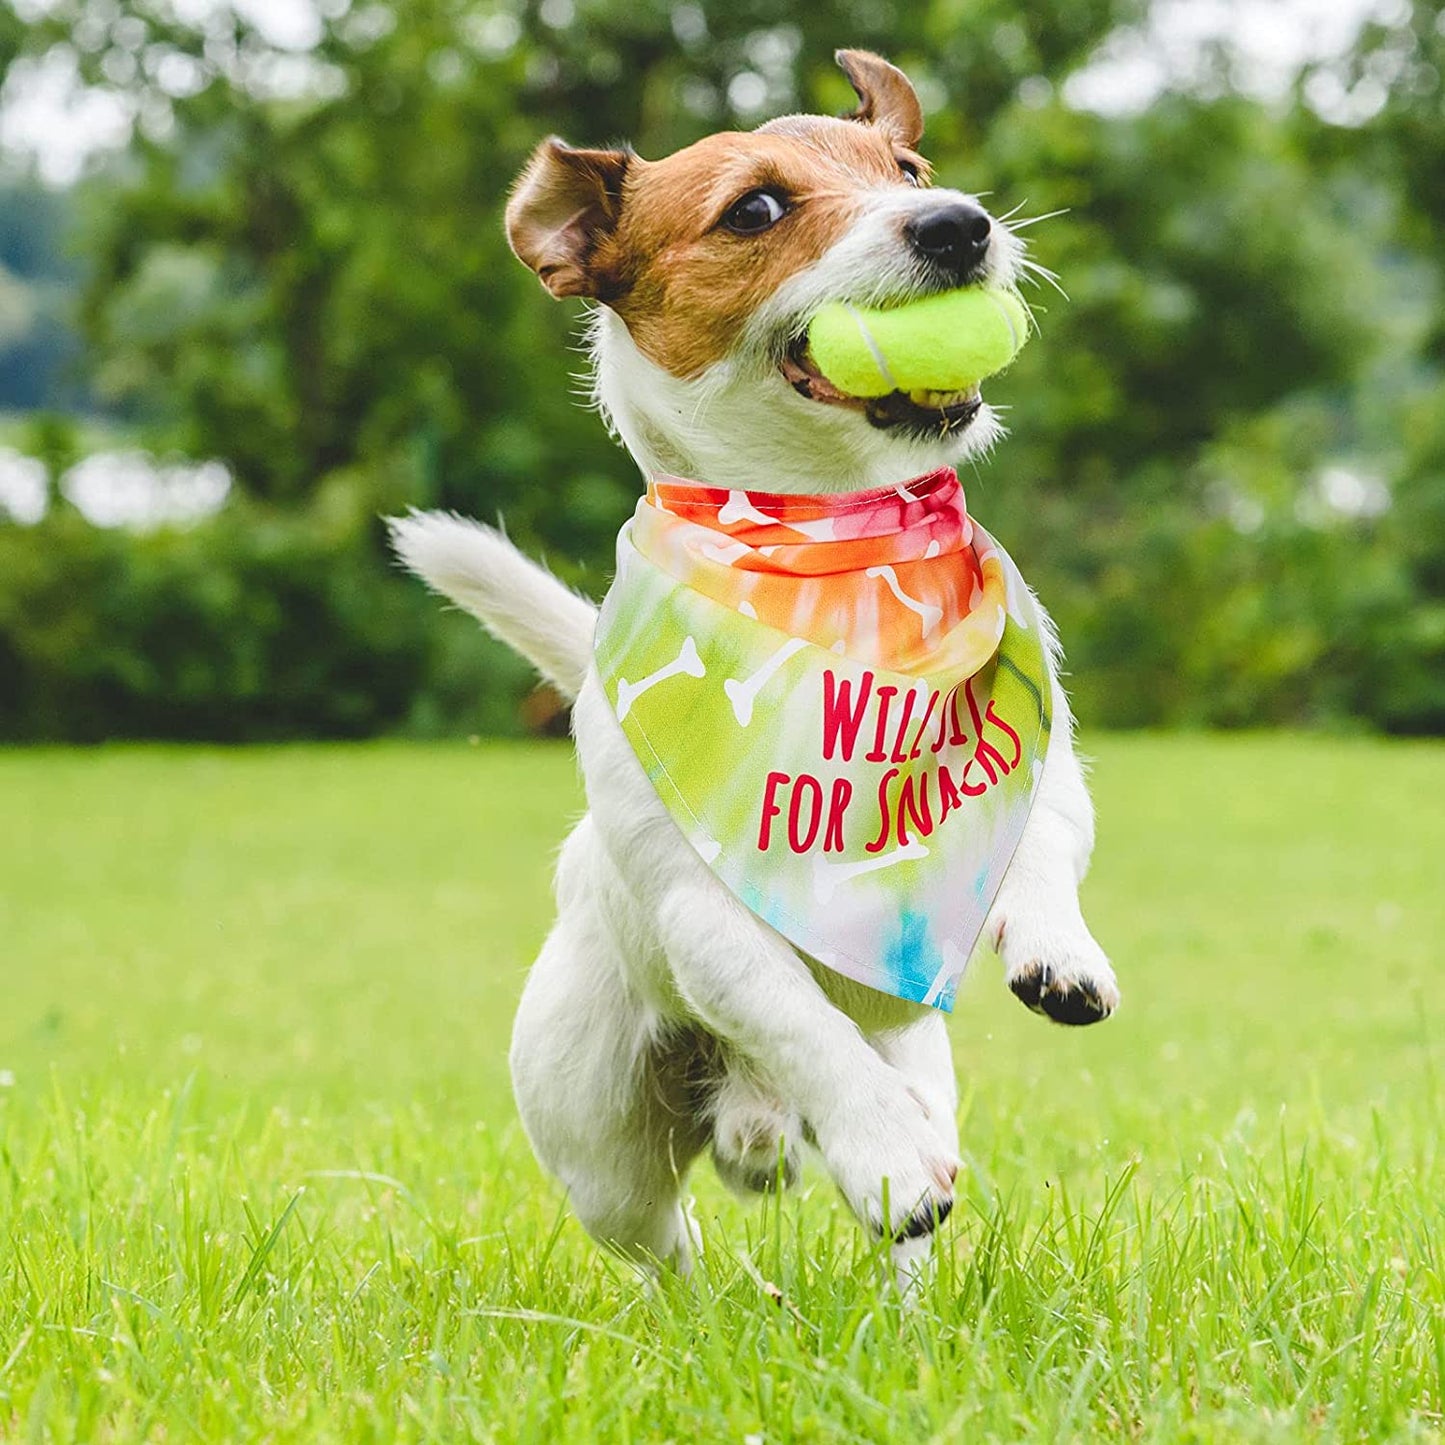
844,703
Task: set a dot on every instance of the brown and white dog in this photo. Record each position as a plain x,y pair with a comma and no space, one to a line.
662,1017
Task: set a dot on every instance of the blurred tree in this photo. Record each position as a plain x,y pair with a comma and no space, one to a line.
1394,79
1209,282
305,281
1391,85
259,625
298,265
53,439
12,38
39,286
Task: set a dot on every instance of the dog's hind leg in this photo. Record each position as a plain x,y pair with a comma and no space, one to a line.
756,1138
610,1096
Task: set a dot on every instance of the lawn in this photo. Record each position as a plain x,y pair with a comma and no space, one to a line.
261,1177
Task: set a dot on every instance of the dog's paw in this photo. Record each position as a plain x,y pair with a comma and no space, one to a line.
1064,976
886,1158
756,1143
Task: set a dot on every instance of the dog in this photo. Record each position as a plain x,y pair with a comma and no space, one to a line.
662,1017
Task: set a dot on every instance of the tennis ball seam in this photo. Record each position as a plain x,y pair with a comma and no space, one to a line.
1007,321
879,360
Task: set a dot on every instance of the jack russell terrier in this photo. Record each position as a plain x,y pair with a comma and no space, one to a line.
759,927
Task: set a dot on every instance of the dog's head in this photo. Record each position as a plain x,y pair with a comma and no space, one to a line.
709,264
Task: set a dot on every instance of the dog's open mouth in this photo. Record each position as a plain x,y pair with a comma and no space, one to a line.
925,413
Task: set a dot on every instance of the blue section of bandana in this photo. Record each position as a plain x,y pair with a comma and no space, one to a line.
912,958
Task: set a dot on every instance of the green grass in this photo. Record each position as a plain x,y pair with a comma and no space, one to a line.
261,1177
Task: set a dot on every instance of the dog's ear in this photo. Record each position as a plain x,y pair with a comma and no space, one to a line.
563,204
886,97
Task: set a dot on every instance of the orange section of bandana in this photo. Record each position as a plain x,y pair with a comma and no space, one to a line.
893,576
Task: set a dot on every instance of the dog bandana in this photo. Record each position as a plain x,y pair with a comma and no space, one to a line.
843,702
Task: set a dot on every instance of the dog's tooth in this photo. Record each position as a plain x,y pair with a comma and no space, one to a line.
942,398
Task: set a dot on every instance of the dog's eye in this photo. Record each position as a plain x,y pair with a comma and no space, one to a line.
754,212
910,172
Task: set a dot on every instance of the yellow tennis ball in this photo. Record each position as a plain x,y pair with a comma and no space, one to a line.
946,342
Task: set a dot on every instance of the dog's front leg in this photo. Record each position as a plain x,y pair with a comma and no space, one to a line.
1050,958
922,1054
747,985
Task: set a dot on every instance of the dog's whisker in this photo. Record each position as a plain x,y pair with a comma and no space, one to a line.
1028,221
1033,320
1037,274
1037,268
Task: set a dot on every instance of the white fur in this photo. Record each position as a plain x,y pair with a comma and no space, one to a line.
515,600
654,972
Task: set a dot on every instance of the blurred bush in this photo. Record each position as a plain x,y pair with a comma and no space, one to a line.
1227,470
253,624
256,624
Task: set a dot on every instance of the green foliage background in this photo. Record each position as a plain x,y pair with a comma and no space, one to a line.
310,281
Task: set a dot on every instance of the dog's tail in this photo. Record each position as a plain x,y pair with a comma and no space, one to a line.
517,601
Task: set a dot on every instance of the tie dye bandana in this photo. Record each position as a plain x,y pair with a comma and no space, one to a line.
844,703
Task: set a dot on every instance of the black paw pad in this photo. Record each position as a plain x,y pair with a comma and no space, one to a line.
1065,1004
924,1220
1073,1006
1028,988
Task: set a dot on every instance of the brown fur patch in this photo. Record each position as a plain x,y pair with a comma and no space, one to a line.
886,97
683,283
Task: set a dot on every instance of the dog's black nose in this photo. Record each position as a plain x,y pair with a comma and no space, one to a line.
954,236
